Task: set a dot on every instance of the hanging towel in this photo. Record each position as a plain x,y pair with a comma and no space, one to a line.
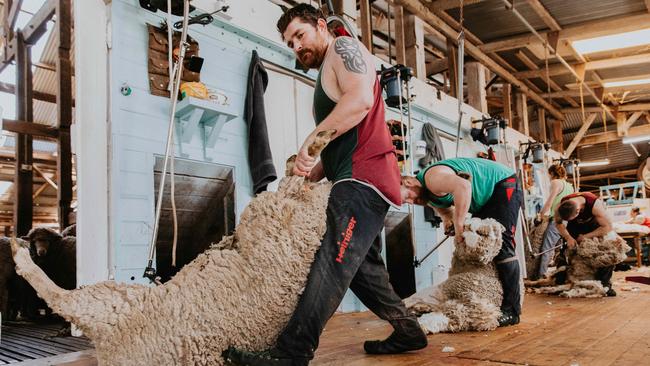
434,154
260,159
435,151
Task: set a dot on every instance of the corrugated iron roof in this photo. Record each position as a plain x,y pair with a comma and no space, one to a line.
46,81
490,20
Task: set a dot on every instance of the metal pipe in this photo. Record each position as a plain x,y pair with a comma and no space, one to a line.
149,271
510,6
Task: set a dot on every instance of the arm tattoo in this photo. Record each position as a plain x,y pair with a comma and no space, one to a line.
351,54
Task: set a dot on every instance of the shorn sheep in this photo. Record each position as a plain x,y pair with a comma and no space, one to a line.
470,298
241,292
584,261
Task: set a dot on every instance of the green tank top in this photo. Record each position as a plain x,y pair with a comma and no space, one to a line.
567,189
485,175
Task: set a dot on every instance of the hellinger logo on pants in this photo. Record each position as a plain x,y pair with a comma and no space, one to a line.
347,235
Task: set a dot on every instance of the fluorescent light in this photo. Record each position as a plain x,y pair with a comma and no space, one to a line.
586,164
634,139
612,42
613,84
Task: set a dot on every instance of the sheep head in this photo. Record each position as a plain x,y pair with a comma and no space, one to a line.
41,239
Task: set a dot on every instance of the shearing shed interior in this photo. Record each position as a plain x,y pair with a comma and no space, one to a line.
324,182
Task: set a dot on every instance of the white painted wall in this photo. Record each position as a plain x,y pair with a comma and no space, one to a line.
90,140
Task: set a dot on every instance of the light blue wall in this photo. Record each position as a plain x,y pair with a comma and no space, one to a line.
139,127
139,124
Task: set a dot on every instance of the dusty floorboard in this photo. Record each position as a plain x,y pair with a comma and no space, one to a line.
553,331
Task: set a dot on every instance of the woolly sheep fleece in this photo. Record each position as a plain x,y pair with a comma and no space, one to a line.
240,292
470,298
588,256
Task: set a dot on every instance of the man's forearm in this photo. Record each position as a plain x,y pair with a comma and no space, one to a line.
347,113
601,231
564,233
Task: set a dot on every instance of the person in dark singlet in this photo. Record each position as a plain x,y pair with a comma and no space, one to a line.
361,163
582,216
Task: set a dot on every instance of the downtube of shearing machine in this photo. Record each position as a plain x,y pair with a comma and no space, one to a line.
459,89
150,271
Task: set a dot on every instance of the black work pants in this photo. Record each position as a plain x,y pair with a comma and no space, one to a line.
503,206
349,256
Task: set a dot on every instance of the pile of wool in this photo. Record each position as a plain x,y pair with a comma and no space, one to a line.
584,261
240,292
470,298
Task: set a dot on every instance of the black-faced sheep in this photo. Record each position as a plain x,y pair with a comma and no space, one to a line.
56,255
470,298
11,291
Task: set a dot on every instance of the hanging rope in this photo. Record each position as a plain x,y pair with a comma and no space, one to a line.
459,73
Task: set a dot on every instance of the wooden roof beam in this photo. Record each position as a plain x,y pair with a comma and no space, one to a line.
600,138
428,16
33,31
578,31
559,69
543,13
581,133
630,107
451,4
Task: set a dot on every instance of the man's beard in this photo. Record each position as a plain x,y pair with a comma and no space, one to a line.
313,61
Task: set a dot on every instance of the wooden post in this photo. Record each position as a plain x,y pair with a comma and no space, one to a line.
557,139
476,93
507,103
347,9
365,23
452,69
521,106
24,179
64,110
414,45
541,120
400,51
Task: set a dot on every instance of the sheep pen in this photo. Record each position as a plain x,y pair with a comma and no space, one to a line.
584,261
470,298
241,292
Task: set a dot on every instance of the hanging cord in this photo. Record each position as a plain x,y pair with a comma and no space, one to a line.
460,81
171,162
548,74
149,271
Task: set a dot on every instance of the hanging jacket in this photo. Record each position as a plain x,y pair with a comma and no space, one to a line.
260,159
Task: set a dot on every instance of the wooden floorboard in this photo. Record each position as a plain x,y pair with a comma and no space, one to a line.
553,331
29,341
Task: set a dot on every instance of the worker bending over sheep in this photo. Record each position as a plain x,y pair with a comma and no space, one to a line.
583,216
485,189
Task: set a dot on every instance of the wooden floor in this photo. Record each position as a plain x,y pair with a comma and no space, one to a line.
29,341
553,331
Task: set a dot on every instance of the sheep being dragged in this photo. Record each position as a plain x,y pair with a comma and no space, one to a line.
241,292
584,261
470,298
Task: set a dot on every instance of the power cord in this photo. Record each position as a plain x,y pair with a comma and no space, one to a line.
203,19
